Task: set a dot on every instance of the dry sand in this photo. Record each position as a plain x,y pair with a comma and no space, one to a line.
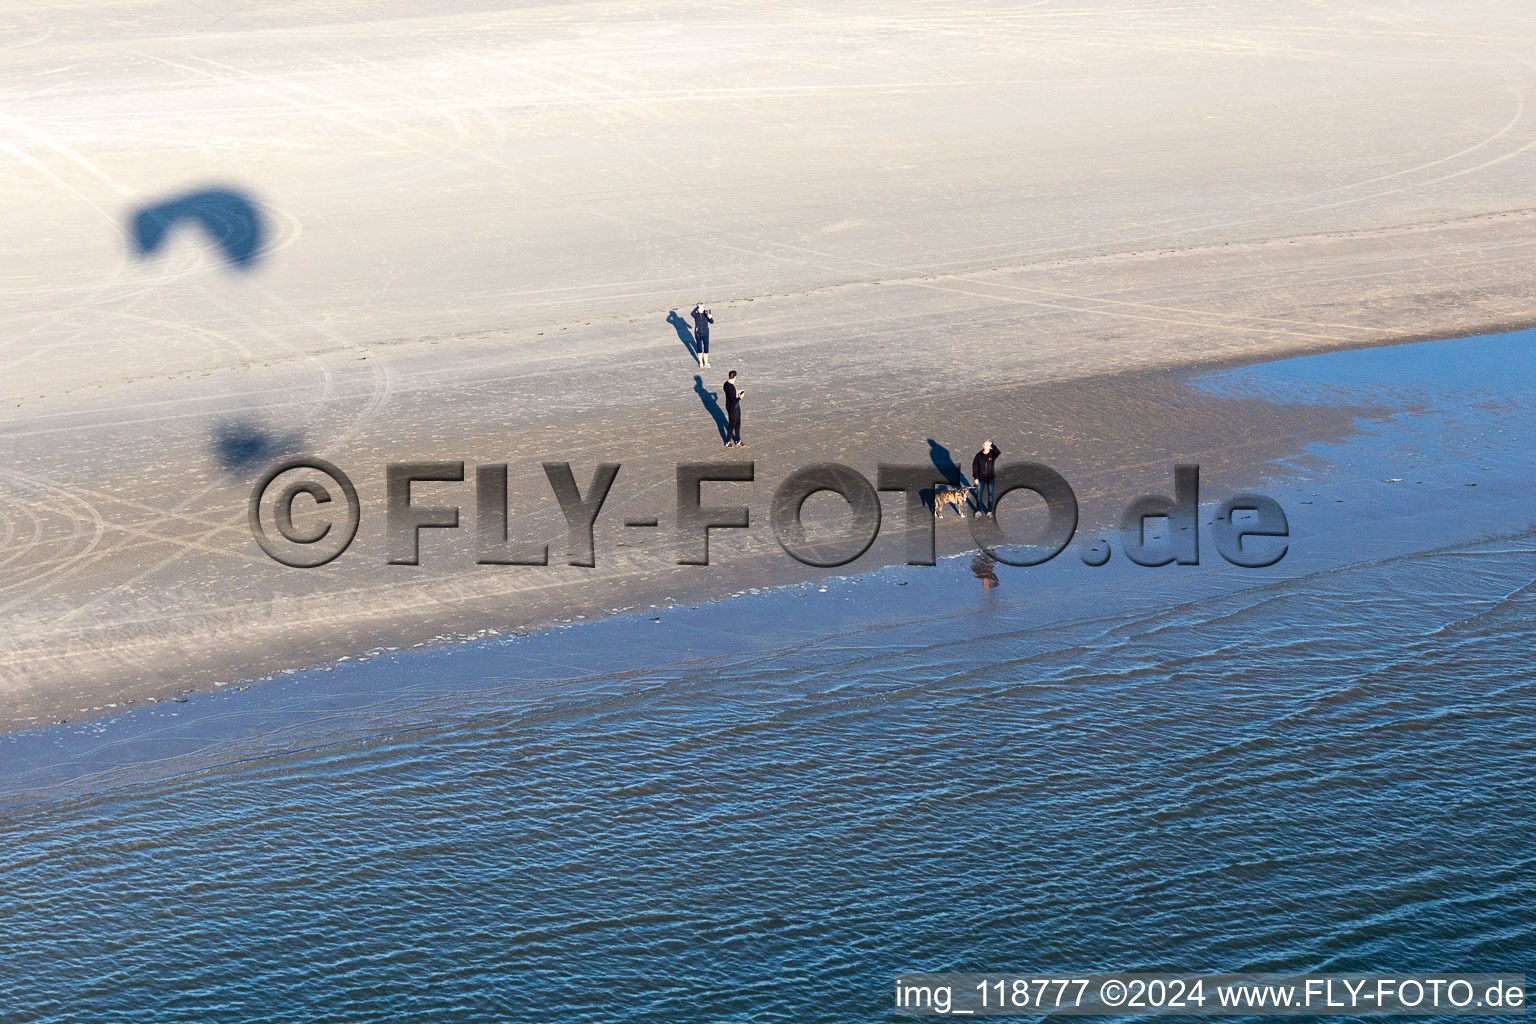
913,220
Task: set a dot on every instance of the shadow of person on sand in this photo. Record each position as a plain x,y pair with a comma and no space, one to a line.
711,404
945,463
684,333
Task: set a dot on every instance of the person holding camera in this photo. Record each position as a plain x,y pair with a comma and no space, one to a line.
701,321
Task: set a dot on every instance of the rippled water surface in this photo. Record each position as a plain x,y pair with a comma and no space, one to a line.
1328,766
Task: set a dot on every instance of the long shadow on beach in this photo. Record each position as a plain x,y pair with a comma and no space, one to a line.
711,404
684,334
945,464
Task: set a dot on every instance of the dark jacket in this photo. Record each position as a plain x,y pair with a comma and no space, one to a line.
982,466
732,399
701,322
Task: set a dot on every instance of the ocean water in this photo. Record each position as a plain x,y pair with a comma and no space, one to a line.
765,808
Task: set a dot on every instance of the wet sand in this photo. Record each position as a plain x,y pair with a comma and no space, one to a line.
1023,223
200,604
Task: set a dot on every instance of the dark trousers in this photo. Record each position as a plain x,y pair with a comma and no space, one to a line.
703,344
984,495
733,423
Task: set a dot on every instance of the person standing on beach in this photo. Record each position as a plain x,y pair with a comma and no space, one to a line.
733,396
984,473
701,321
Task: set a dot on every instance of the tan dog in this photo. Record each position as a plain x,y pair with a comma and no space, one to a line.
950,496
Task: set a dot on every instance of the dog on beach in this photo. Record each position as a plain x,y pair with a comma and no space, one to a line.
953,497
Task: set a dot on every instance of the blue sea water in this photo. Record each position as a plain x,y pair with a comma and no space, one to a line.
765,808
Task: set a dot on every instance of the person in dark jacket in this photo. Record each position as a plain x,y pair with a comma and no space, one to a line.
733,396
984,472
701,321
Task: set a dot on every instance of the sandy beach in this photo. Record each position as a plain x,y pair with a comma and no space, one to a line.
913,223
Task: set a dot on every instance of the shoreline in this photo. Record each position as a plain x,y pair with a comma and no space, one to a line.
1470,428
1106,470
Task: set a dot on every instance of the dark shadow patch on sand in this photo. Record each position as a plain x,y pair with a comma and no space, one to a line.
684,333
231,218
712,405
242,446
945,463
